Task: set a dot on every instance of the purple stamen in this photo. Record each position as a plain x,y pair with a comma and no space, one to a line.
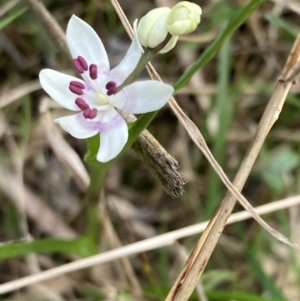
112,91
110,85
83,63
75,90
93,114
93,71
86,113
90,114
77,66
81,104
76,87
80,64
77,84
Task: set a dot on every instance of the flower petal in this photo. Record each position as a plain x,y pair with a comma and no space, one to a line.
142,97
84,41
113,135
56,84
78,126
128,64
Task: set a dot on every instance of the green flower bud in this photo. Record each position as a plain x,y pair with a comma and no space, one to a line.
184,18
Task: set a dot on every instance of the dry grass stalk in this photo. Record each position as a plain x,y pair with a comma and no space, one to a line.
153,243
56,33
63,151
34,206
199,140
17,93
283,90
196,264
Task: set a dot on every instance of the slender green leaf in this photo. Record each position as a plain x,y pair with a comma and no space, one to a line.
80,246
7,20
237,296
275,19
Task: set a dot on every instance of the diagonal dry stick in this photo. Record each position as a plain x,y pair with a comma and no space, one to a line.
184,286
186,281
199,140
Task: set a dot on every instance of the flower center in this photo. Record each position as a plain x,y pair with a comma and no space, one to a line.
90,89
101,98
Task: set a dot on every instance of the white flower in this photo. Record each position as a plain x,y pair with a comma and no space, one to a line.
96,96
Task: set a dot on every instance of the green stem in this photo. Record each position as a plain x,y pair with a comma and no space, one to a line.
97,173
146,57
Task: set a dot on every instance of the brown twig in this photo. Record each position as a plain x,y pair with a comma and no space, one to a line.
199,141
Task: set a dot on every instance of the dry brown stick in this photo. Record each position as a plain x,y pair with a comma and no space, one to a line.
50,24
188,278
159,162
200,142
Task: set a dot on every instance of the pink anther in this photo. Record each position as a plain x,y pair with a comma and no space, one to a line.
93,71
110,85
112,91
80,64
77,84
82,105
75,89
83,63
90,114
86,113
93,114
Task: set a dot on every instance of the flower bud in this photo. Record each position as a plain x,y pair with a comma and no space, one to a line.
152,28
184,18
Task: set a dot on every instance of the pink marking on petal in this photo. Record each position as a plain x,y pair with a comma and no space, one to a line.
77,84
110,85
83,63
93,71
103,127
81,104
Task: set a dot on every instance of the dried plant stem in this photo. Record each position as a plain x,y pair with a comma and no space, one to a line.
196,264
194,267
158,160
198,139
152,243
50,24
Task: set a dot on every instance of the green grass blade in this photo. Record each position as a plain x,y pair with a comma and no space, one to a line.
276,20
238,296
223,108
6,21
80,246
